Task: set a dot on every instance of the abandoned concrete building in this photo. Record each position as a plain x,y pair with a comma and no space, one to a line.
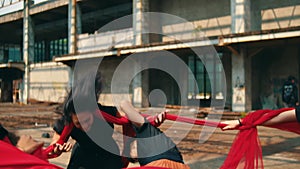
225,53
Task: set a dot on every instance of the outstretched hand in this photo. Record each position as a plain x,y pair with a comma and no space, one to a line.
58,149
160,118
231,124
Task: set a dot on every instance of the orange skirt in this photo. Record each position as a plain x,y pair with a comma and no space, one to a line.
168,164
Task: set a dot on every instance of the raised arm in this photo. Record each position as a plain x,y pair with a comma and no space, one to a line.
136,118
286,116
65,147
132,114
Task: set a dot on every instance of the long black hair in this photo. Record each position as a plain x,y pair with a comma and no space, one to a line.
83,95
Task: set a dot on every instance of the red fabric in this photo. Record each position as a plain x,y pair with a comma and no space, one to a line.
127,128
13,158
123,120
62,139
6,139
39,152
246,151
194,121
146,167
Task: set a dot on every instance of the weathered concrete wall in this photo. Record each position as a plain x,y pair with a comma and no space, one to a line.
196,10
139,83
105,40
49,81
274,15
109,68
212,17
245,16
280,14
202,22
7,8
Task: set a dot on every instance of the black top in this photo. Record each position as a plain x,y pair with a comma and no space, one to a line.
290,93
3,132
298,113
100,129
153,144
96,147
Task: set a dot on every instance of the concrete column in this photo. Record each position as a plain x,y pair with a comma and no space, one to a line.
47,50
5,55
78,19
137,89
28,50
183,85
241,82
245,16
72,26
6,90
70,82
155,23
140,26
298,51
145,88
140,21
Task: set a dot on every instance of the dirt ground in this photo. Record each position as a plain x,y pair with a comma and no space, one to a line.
204,148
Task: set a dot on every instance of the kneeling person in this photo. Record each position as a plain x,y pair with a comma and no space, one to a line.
154,147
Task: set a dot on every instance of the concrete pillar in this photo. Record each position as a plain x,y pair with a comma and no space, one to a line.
137,90
140,21
241,82
140,26
78,19
70,82
28,50
5,55
298,52
74,25
47,50
155,23
6,90
145,88
245,16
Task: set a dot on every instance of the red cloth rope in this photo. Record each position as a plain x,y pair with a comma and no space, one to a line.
148,167
123,120
127,130
246,150
62,139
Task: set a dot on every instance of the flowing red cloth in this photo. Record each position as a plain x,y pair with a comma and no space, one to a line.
147,167
123,120
246,151
13,158
127,129
62,139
